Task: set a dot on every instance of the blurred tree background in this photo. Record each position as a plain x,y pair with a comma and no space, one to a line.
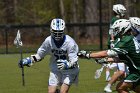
30,12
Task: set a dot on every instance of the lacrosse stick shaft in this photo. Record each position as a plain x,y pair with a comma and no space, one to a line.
19,44
22,67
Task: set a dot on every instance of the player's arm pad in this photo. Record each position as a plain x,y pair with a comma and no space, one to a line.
36,58
111,53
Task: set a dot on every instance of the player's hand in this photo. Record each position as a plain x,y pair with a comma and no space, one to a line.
63,64
25,62
83,54
101,60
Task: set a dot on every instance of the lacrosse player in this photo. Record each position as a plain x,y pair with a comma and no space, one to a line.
120,68
118,13
128,51
64,60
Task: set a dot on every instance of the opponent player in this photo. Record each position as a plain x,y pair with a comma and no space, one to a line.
127,51
121,68
64,60
119,12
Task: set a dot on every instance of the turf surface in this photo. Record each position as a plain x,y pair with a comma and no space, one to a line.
36,77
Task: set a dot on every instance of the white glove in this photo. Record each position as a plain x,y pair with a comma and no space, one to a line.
83,54
63,64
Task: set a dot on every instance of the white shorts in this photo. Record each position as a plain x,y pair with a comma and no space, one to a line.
67,77
118,66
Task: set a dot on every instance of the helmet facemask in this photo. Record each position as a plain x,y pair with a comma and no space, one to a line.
57,34
116,31
122,12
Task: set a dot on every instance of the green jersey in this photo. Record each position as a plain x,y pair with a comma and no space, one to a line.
128,49
113,20
111,23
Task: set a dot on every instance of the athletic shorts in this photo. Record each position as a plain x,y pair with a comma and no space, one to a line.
118,66
57,78
133,78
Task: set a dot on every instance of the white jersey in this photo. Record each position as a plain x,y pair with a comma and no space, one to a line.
67,51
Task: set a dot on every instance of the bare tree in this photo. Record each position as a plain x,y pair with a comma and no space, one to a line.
9,11
127,5
75,17
62,10
91,16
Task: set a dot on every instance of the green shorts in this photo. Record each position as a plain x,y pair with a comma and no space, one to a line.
133,78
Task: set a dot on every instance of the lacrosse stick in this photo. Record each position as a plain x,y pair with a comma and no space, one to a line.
19,44
98,72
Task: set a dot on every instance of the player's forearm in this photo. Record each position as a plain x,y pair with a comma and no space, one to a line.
100,54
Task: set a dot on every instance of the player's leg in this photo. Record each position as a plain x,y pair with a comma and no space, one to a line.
108,72
52,89
53,81
64,88
131,82
137,89
137,86
123,87
120,72
68,79
113,79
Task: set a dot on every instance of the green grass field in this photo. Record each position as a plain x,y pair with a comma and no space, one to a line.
36,77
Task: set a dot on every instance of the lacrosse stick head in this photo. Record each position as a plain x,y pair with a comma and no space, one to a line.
98,73
17,40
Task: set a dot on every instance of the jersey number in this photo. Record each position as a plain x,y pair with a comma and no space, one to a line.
60,56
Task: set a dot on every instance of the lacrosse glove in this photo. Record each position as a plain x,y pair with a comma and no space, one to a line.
25,62
83,54
101,60
64,64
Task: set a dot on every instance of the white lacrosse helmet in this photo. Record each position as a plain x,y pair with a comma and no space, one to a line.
121,26
135,24
57,28
119,9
